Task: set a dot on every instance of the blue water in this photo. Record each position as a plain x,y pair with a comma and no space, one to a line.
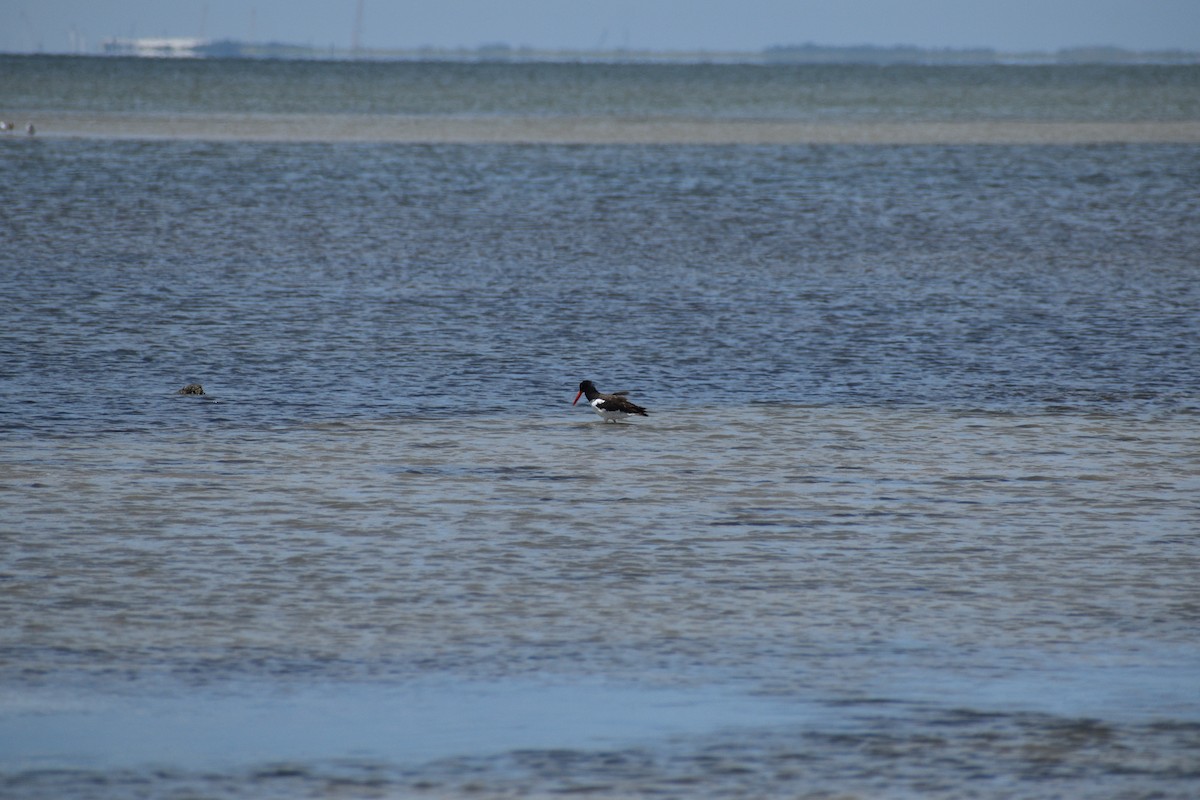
829,92
316,281
913,513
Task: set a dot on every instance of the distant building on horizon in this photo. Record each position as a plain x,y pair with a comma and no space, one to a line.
161,47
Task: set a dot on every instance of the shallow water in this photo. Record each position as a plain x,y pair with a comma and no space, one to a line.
568,103
913,513
401,594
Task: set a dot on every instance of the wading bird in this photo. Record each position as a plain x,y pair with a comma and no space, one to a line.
611,407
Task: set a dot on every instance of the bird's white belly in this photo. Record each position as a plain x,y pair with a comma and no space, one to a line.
609,416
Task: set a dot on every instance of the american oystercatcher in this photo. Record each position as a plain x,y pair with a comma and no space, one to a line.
612,407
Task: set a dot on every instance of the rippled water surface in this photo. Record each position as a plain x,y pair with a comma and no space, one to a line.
913,514
690,91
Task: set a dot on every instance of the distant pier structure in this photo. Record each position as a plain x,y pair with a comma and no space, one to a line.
356,38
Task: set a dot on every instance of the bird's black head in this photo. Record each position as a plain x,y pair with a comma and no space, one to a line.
586,388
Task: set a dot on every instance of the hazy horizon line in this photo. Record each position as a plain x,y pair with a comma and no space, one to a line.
805,52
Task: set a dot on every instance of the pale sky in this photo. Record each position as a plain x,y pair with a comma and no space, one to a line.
715,25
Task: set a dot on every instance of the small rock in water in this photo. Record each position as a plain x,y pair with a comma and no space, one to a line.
192,388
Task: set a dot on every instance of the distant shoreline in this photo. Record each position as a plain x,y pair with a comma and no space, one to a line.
808,53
